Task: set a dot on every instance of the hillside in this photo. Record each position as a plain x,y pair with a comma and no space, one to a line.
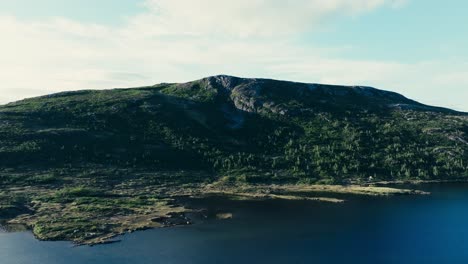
88,165
264,130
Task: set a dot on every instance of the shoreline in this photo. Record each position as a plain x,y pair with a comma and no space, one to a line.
418,182
176,213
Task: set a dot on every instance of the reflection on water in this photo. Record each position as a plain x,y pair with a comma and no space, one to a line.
407,229
5,228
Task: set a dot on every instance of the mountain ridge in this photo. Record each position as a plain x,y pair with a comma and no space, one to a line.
230,82
251,87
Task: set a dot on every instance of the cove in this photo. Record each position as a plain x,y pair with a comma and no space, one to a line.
404,229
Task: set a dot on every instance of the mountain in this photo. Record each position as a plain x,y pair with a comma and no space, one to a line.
250,130
87,166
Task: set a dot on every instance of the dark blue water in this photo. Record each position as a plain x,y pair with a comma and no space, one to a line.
410,229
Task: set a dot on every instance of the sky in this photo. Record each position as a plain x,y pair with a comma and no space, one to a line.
415,47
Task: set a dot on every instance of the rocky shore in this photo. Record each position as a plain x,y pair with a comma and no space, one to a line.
88,218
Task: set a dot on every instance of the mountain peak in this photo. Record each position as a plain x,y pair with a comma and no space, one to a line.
279,96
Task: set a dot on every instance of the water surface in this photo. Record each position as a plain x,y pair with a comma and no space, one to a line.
407,229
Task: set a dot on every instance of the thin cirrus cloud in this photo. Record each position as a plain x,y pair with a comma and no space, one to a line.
175,41
247,18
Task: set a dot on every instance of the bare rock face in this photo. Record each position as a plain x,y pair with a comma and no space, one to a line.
285,98
238,96
224,81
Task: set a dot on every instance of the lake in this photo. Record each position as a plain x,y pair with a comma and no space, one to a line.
407,229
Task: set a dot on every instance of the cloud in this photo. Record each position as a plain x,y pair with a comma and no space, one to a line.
247,18
184,40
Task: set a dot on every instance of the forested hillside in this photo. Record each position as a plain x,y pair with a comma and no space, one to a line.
253,130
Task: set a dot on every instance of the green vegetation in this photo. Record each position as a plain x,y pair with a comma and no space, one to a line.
88,165
84,209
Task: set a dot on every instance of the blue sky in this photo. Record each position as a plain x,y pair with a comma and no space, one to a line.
95,11
420,30
415,47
